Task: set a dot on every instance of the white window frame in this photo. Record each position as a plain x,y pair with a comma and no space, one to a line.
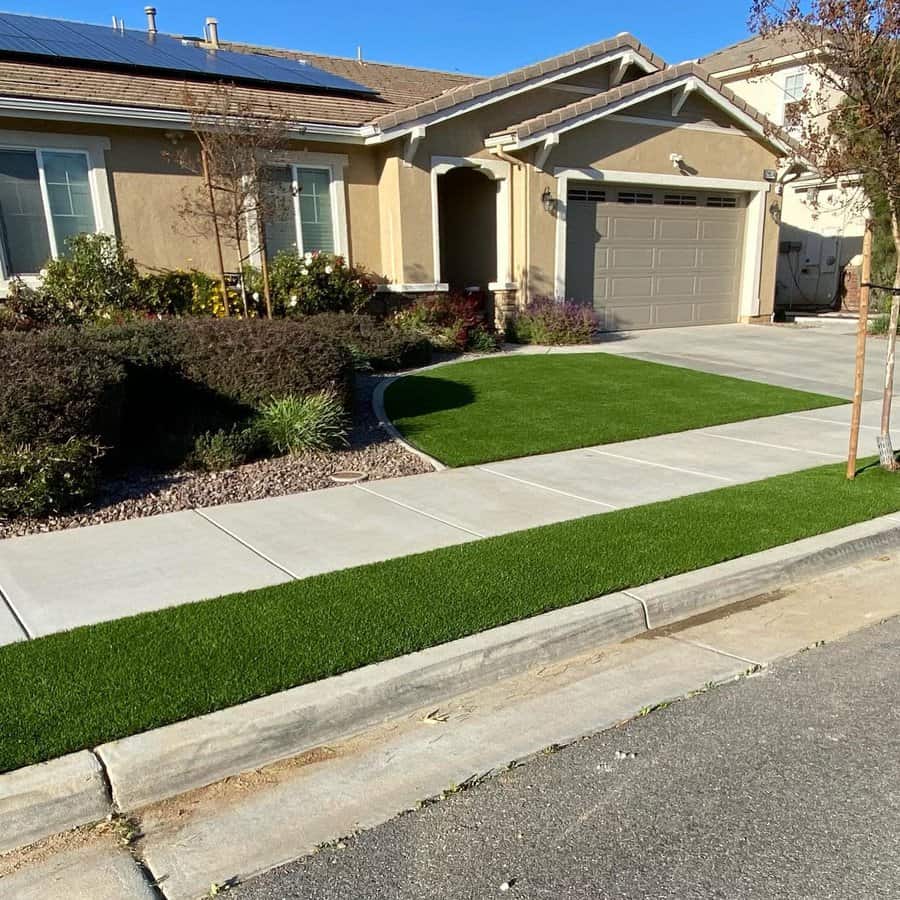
93,149
790,73
754,223
334,164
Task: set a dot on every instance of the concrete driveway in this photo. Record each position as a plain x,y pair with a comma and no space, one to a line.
810,358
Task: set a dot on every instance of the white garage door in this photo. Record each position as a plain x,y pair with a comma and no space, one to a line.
654,257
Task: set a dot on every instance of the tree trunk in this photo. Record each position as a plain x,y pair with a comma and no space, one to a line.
215,224
885,449
264,268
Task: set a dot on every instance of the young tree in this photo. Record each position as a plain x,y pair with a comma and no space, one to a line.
848,121
236,151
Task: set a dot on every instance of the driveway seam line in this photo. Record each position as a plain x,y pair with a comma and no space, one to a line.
7,602
248,546
643,607
420,512
702,646
658,465
545,487
728,437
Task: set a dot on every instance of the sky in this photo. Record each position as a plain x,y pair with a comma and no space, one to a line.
471,36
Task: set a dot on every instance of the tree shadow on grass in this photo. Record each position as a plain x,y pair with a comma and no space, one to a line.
419,395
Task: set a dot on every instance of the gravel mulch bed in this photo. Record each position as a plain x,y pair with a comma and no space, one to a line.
147,493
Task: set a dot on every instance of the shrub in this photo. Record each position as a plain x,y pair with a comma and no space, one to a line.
449,321
50,478
189,376
57,387
167,293
317,282
382,346
548,321
217,450
291,424
94,278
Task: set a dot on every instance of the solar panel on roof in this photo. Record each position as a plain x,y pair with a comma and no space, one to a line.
58,39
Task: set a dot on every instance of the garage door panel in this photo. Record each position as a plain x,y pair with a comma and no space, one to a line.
676,257
671,229
668,260
622,318
630,286
631,257
672,314
675,286
632,229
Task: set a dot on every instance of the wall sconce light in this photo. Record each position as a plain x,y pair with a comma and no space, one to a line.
775,212
547,200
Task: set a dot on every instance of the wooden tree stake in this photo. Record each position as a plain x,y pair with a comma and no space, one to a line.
861,334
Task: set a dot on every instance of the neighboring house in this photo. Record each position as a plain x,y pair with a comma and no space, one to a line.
601,174
822,221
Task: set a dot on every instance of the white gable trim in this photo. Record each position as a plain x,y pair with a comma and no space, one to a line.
510,142
627,55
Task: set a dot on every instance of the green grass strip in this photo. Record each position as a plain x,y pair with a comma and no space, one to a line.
504,407
80,688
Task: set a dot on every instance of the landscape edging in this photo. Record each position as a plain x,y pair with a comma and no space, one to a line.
162,763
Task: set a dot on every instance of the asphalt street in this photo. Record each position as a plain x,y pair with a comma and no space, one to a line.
784,784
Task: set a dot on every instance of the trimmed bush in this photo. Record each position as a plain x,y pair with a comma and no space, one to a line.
291,424
57,386
548,321
381,346
449,321
47,478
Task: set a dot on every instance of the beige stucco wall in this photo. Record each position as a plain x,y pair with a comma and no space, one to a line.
148,192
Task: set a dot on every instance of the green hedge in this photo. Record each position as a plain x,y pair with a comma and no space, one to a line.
146,390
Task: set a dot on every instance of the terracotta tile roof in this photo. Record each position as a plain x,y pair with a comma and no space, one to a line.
634,89
397,87
486,86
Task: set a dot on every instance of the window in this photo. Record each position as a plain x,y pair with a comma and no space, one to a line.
302,215
635,197
794,85
721,202
586,194
679,200
45,198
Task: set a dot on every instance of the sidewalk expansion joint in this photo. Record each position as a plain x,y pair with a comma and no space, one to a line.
249,546
545,487
711,649
659,465
643,607
831,422
728,437
15,614
420,512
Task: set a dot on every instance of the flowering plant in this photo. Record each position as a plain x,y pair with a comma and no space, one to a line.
318,282
548,321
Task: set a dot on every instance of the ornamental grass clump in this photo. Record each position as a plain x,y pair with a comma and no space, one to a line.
292,424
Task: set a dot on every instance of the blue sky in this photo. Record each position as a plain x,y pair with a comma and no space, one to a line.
474,36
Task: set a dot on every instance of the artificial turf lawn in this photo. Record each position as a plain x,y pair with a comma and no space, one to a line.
80,688
503,407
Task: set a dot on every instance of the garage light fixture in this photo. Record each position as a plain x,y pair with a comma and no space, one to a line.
547,200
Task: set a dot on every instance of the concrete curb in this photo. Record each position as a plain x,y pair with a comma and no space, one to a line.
50,797
388,425
167,761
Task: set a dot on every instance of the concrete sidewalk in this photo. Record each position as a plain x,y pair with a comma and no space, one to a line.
52,582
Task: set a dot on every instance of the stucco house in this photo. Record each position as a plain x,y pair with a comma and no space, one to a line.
823,221
602,174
